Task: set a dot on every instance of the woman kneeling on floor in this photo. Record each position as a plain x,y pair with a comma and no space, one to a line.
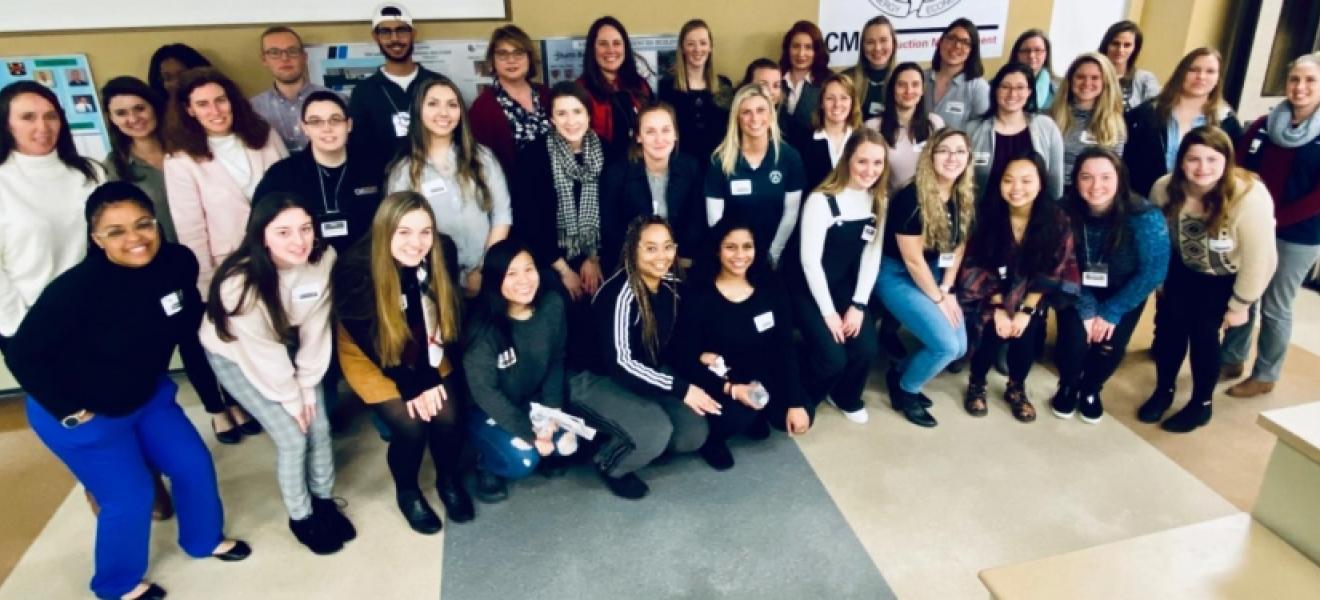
1019,260
632,393
111,414
514,361
267,335
398,307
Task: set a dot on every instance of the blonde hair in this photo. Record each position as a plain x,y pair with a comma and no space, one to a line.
729,149
391,327
679,69
1107,124
854,111
839,177
858,72
935,231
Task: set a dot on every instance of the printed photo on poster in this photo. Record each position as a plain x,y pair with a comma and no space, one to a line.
918,24
69,77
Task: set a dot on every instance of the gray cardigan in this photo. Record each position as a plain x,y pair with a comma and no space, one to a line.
1142,87
1045,138
964,100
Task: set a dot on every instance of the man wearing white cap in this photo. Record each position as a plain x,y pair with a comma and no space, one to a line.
380,105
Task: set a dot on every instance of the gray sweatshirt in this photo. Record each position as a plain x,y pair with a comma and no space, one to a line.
1045,138
505,379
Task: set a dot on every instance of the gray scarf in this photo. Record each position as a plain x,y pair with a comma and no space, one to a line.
577,220
1282,133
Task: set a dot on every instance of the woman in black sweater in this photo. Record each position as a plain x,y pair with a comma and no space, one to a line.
735,334
117,419
513,359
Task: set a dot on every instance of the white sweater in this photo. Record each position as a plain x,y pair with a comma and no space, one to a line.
42,228
854,205
259,354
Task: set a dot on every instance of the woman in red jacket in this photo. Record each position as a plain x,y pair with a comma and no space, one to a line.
617,89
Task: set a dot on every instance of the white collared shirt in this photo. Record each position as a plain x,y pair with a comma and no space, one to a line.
836,151
793,93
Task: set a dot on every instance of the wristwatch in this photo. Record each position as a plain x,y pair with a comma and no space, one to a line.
73,420
859,306
1026,310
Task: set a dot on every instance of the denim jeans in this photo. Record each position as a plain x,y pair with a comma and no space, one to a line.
1276,308
941,342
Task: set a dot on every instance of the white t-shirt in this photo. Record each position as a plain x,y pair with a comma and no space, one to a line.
404,81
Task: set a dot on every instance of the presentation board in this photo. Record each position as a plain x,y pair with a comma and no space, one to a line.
918,24
65,15
70,78
562,57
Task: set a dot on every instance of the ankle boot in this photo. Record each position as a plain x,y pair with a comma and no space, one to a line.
326,510
913,411
1195,414
1153,410
417,512
314,534
458,504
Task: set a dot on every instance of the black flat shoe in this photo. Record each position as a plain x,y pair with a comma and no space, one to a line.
1154,408
228,437
458,504
1195,414
252,427
628,486
895,391
490,488
914,412
418,513
240,551
326,510
716,454
153,592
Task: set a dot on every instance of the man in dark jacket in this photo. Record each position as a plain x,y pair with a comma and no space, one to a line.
380,105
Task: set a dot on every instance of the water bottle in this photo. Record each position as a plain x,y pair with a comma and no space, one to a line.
758,394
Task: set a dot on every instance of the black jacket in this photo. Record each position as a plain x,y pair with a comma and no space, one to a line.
623,355
372,107
816,164
625,194
534,203
359,193
1147,141
702,116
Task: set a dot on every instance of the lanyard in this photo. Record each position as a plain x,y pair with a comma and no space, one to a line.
320,179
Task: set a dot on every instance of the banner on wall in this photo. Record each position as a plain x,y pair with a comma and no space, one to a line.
918,24
562,57
341,66
70,78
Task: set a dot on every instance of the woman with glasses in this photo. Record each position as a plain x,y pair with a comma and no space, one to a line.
1034,50
1122,45
698,94
954,88
514,111
1011,127
875,61
116,419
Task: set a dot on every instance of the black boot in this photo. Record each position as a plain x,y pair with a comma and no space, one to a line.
895,391
628,486
458,504
490,487
1195,414
716,454
913,411
326,510
1064,402
1153,410
418,513
315,535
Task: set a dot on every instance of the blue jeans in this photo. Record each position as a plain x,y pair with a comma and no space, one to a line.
495,450
113,458
1276,308
941,343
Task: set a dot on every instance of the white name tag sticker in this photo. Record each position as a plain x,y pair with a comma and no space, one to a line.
946,260
764,321
875,108
332,229
403,301
740,187
306,293
955,108
363,191
434,187
506,359
1255,146
1003,272
1095,279
172,303
1221,244
1087,138
434,354
981,159
868,233
401,120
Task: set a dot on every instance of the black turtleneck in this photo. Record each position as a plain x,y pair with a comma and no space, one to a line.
101,335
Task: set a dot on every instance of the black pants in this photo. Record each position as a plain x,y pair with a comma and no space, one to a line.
213,396
1190,312
1022,351
834,369
1086,367
734,418
411,437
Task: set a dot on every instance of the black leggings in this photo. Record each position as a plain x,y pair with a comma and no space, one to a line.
213,396
1022,351
1086,367
1189,314
410,437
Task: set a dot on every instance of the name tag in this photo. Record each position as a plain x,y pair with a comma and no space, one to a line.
434,187
1003,272
764,321
1096,279
172,303
306,293
868,233
401,120
403,301
1255,146
946,260
740,187
981,159
434,354
1087,138
955,108
876,108
506,359
332,229
363,191
1221,244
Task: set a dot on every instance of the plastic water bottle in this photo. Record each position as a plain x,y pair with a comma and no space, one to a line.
758,394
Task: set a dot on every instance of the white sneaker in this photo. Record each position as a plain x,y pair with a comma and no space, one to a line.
859,416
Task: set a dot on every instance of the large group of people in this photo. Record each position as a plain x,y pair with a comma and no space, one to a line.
673,267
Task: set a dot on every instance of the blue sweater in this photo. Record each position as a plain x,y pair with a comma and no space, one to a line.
1136,267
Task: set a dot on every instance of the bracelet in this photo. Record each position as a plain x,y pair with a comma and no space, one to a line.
941,298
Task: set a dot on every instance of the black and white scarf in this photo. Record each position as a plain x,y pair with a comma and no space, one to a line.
577,222
527,126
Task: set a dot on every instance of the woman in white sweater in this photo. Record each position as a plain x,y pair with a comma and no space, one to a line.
43,187
267,335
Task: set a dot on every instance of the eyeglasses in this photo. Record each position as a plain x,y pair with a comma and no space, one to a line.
317,122
516,54
958,41
387,32
277,53
142,227
959,153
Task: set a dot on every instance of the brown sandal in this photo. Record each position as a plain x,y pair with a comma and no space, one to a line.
974,401
1016,396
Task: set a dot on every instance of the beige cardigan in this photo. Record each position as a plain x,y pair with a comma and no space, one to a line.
1251,227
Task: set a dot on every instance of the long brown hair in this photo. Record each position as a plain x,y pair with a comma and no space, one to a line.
645,313
466,151
820,60
1223,198
390,328
1168,96
838,178
183,133
935,231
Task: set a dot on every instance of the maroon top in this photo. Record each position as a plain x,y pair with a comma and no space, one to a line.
492,129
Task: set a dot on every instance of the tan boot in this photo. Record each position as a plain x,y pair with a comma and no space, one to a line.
1230,371
1250,388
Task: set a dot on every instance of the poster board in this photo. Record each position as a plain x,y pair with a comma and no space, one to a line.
562,57
918,24
341,66
70,77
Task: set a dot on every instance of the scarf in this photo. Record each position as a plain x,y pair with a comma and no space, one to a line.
577,223
1282,133
527,126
